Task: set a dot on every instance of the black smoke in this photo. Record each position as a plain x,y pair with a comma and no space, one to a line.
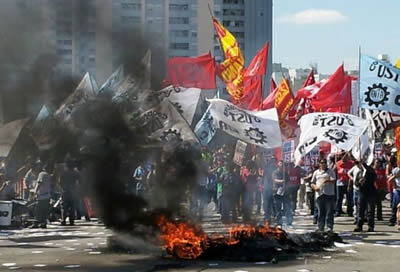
103,144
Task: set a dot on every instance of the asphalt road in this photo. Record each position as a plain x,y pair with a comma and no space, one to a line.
84,248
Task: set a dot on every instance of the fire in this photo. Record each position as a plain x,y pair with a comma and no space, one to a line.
247,231
182,239
188,242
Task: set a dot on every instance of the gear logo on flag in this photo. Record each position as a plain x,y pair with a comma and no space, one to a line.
256,135
377,95
171,135
337,135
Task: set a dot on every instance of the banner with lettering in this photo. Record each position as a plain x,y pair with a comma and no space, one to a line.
164,123
185,100
338,129
382,120
44,130
260,128
205,129
379,85
288,151
86,90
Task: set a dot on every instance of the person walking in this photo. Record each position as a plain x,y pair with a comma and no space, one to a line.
281,201
394,179
323,183
43,195
68,180
367,197
380,185
342,167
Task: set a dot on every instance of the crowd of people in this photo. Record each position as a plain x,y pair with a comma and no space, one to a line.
261,186
275,189
51,191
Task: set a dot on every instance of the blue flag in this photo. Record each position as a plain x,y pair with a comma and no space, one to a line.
205,129
379,85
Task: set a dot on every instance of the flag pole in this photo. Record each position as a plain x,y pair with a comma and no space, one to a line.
210,10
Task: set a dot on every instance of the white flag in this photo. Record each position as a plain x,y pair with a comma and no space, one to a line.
365,148
164,123
86,90
111,83
44,130
339,129
185,100
260,128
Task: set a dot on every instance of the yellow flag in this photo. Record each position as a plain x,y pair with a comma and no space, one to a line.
398,64
231,70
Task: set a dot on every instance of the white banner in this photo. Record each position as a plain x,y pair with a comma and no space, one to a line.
185,100
382,120
339,129
86,90
44,130
260,128
164,123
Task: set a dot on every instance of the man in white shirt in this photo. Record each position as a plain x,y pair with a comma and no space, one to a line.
323,182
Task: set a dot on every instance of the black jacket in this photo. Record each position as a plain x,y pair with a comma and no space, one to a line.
367,185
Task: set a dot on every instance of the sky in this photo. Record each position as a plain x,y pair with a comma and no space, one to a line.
331,32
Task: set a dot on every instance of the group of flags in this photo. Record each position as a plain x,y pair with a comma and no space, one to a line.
377,80
168,115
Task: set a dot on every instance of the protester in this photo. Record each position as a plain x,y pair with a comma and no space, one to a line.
139,177
367,197
268,202
356,175
295,173
7,190
281,201
394,179
30,179
342,167
380,185
69,179
323,181
43,194
230,184
251,179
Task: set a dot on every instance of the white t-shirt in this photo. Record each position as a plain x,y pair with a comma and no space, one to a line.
357,174
325,188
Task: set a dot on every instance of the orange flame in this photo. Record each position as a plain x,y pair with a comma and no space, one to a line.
187,242
182,239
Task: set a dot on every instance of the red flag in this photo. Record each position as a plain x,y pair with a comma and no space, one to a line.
333,92
198,72
309,80
258,65
253,92
272,85
269,101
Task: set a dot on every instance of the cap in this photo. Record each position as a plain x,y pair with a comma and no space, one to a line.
394,150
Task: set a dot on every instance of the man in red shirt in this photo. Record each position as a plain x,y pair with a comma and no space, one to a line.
342,185
295,173
380,185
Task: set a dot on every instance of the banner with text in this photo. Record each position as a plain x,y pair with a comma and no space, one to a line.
260,128
339,129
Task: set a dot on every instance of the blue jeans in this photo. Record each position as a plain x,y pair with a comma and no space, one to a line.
356,196
283,206
395,202
341,190
326,207
268,204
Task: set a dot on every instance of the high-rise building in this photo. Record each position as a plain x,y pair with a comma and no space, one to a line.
84,34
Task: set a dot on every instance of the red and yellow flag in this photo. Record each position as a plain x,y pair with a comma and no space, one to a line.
283,99
231,70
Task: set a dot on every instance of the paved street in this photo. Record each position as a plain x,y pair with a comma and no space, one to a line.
84,248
